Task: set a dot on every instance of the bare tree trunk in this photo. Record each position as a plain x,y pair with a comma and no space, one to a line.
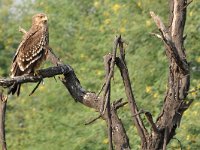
179,76
3,102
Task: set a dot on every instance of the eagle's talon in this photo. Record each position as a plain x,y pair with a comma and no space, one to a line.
36,73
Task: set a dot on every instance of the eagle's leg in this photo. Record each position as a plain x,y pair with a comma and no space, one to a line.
36,73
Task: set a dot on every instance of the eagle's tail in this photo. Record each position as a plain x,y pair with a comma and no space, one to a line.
15,88
15,71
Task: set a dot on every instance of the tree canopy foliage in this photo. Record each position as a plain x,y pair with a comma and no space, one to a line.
81,33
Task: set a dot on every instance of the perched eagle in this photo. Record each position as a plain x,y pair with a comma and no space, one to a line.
31,51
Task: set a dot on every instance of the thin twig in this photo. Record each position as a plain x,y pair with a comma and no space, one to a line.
22,30
156,35
93,120
139,113
35,87
179,143
52,57
150,119
188,4
119,105
101,90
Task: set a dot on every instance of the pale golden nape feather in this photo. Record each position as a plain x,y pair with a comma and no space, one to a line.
32,49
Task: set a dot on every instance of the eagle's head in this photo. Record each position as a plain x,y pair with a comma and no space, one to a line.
39,20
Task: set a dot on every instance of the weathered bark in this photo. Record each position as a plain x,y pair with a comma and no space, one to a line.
179,76
142,132
120,139
3,102
107,107
91,100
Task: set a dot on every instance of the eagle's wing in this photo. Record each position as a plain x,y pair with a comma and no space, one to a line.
29,51
25,38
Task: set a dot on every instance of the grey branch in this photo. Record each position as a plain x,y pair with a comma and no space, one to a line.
170,44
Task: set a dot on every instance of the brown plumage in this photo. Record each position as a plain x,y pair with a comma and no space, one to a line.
31,51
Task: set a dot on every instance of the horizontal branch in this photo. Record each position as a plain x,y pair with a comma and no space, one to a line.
43,73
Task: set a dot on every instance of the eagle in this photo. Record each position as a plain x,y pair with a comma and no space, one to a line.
32,50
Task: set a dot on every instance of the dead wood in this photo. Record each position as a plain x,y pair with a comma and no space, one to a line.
174,103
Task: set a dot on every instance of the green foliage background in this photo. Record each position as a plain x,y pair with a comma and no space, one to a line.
81,33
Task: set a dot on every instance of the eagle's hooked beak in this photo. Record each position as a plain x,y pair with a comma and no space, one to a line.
45,18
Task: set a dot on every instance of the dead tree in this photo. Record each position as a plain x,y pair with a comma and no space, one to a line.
174,104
